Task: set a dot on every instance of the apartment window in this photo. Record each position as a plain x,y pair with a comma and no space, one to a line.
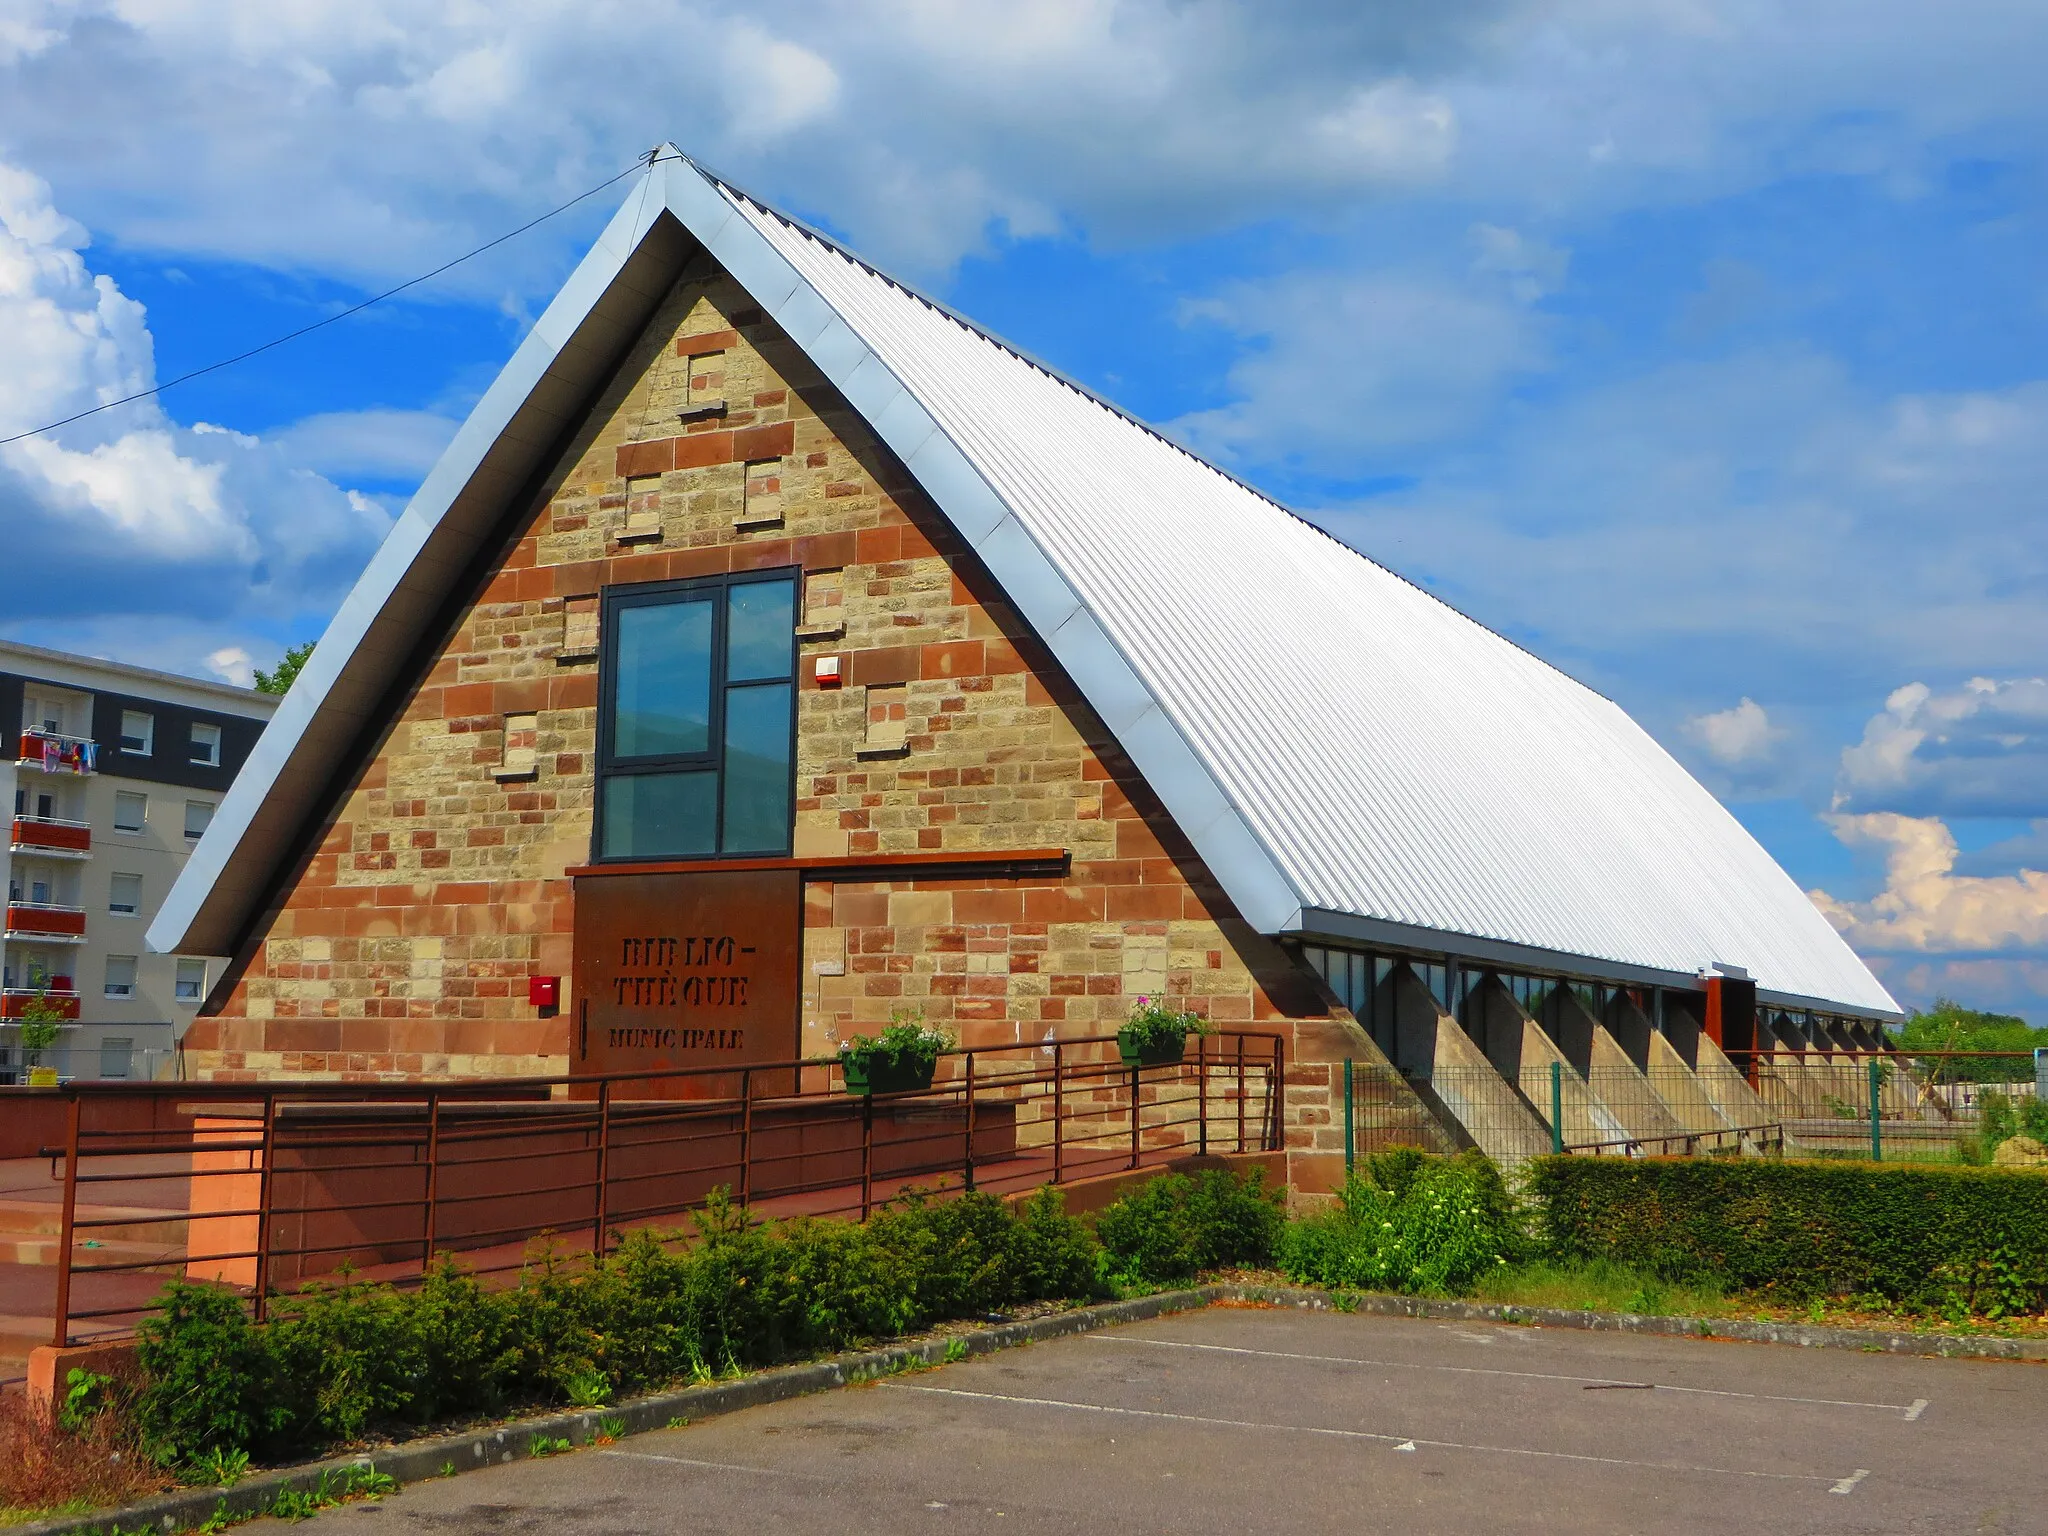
120,976
206,745
131,810
191,981
125,899
198,817
698,718
117,1056
138,732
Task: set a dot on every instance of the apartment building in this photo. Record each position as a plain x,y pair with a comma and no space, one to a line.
115,773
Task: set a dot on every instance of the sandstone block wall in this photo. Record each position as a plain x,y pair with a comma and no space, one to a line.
402,947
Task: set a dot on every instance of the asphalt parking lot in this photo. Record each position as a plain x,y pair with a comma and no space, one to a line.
1235,1420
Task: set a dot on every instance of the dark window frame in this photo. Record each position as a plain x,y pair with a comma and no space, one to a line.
608,766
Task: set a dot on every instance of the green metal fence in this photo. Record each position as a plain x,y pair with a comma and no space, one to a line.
1944,1107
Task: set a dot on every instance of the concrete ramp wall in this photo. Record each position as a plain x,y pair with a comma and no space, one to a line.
1455,1077
1729,1091
1523,1053
1684,1095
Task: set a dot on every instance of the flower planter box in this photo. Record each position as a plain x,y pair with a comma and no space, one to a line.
1159,1053
874,1073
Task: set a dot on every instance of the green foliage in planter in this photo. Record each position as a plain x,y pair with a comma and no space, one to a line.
40,1021
1152,1023
908,1041
1409,1223
1173,1227
1952,1240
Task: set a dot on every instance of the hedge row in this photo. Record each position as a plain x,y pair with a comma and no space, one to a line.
339,1360
1949,1239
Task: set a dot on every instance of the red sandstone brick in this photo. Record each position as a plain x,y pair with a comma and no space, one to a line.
775,441
955,658
707,341
651,458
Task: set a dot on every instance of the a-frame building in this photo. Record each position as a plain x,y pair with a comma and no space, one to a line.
894,670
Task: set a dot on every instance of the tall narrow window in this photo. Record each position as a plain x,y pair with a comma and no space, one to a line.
699,718
191,981
206,745
120,976
198,817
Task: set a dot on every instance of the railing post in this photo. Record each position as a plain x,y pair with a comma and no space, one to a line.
604,1162
746,1137
1276,1098
433,1176
1202,1094
1135,1070
1240,1093
1350,1128
967,1120
1876,1124
62,1324
263,1196
1059,1111
867,1152
1556,1108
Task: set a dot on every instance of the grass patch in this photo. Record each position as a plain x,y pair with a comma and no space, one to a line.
1598,1285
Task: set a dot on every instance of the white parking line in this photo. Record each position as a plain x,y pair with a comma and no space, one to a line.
717,1466
1398,1442
1848,1484
1911,1411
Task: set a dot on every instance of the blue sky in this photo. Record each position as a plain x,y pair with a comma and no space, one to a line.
1703,349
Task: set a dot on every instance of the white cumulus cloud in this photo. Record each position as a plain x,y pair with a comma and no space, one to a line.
1925,905
1977,750
129,512
1740,737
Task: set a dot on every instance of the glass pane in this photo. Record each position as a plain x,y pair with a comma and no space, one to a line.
762,632
661,695
650,815
757,775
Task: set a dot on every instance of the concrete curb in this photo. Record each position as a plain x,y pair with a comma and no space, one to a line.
1947,1346
418,1460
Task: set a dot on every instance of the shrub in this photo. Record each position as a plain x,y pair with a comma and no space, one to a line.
906,1041
1175,1226
207,1376
1409,1223
1947,1239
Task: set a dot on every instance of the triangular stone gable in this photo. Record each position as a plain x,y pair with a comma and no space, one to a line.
403,945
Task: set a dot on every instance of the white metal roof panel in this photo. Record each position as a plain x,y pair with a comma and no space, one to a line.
1398,762
1349,755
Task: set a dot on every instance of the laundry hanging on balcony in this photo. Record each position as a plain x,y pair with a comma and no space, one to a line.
64,755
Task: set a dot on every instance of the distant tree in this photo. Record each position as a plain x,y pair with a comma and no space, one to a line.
1949,1026
287,670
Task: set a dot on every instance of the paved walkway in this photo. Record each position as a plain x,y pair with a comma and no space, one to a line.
1239,1420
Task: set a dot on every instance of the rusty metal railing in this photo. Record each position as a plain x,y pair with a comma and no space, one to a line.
262,1186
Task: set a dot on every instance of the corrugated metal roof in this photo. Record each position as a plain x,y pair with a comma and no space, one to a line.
1350,756
1400,762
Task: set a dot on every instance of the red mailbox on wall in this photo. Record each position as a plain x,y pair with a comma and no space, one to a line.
544,991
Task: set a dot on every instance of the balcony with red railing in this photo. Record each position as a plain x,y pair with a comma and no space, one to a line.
48,921
54,753
14,1001
51,837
